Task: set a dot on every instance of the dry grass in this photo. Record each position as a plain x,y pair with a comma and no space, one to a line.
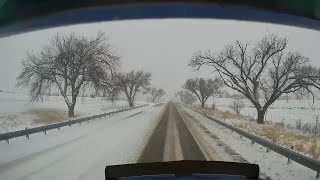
305,143
217,113
47,116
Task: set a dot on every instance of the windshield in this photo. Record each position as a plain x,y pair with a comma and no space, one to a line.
155,90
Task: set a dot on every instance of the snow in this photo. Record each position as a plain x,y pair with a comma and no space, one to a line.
16,110
271,163
279,111
79,152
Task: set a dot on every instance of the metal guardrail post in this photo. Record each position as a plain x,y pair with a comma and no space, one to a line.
289,160
27,135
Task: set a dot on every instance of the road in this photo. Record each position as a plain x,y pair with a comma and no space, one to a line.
177,137
163,132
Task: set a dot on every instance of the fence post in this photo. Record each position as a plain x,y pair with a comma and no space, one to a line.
27,135
289,160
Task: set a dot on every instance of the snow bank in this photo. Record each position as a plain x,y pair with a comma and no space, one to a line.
16,112
279,111
271,163
79,152
303,143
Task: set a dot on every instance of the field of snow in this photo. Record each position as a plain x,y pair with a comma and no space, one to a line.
271,164
16,112
279,111
79,152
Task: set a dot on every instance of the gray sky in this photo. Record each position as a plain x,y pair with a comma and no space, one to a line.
162,47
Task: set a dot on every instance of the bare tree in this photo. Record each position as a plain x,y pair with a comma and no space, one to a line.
131,83
203,88
111,92
264,71
237,105
69,63
156,93
300,94
186,97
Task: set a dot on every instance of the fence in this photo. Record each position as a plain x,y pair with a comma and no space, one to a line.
26,132
301,159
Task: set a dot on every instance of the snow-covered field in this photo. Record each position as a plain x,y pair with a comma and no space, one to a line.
79,152
270,163
16,112
279,111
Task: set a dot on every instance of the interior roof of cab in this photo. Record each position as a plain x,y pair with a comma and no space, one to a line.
17,16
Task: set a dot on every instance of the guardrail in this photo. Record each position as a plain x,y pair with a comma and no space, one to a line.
301,159
26,132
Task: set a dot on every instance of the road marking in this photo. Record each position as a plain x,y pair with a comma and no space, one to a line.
178,150
198,134
154,148
169,146
172,150
190,148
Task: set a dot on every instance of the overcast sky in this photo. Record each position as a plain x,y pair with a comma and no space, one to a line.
162,47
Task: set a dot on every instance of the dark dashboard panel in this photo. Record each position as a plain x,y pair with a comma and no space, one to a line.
185,168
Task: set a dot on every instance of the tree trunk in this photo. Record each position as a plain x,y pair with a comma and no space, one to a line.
131,104
261,113
71,111
238,112
203,104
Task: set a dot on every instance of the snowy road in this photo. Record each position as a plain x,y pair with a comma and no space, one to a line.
79,152
177,137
